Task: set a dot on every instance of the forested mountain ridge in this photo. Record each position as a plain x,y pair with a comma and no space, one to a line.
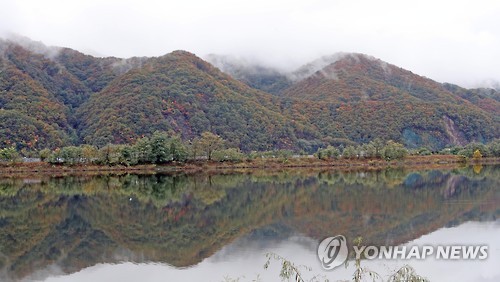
351,77
361,78
257,76
35,99
53,97
358,97
424,112
185,95
41,88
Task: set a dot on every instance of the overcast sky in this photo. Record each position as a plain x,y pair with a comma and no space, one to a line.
450,41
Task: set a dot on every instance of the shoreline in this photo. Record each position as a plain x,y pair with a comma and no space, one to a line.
414,162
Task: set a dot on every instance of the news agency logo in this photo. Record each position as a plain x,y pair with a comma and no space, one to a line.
455,252
333,252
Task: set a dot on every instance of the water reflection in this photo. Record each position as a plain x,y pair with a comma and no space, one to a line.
64,224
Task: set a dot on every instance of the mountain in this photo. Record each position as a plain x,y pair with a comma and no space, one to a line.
488,99
489,84
183,94
357,78
95,73
255,75
52,97
355,98
35,100
265,78
41,88
369,97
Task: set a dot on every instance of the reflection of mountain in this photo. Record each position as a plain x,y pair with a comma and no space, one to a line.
75,222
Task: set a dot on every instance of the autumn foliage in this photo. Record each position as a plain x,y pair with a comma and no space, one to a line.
59,97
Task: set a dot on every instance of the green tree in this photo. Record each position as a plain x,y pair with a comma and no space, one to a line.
368,151
349,152
71,155
143,150
90,153
378,144
328,153
494,148
129,155
160,148
230,155
194,148
9,155
424,151
210,142
178,150
394,150
44,154
110,155
54,157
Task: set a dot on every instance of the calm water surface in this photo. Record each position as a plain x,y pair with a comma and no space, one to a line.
214,227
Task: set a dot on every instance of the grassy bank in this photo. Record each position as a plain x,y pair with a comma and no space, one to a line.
433,161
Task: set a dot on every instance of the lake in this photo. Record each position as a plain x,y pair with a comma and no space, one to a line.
219,227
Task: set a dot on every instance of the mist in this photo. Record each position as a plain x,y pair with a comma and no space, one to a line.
448,41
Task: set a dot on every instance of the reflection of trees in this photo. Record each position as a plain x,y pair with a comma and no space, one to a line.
181,219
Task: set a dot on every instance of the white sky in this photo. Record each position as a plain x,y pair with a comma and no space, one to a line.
454,41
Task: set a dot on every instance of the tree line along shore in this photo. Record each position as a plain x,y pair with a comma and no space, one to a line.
162,149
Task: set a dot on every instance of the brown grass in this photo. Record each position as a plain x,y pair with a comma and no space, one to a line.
416,162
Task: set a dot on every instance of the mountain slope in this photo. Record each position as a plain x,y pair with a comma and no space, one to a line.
183,94
53,77
52,97
360,98
358,77
487,99
257,76
32,110
95,73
